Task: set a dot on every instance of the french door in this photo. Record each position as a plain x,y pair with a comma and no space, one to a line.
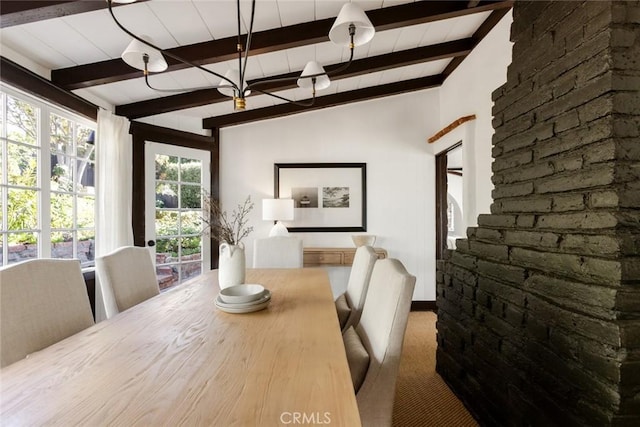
174,181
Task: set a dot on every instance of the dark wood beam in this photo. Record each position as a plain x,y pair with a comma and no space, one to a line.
269,41
198,98
18,12
484,29
323,102
21,78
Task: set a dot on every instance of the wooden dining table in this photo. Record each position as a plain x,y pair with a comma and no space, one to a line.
176,359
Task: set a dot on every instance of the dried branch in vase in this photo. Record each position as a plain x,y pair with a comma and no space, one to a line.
229,228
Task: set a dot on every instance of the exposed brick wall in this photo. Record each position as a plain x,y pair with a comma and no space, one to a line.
539,308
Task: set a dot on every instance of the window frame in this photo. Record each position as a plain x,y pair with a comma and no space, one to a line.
43,179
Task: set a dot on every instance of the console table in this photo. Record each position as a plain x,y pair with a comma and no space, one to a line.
321,257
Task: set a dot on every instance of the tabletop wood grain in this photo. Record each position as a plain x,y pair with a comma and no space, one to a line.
177,360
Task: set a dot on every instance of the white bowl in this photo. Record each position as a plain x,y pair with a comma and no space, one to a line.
240,294
363,240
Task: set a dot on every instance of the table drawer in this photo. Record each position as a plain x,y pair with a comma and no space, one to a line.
311,258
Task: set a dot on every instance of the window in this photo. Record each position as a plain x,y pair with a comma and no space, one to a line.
47,190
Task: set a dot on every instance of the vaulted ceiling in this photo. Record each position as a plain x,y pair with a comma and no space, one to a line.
417,45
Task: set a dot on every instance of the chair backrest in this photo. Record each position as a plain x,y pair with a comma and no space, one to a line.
359,278
381,329
277,252
42,301
129,272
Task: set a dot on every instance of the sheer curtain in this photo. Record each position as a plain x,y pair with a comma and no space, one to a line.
114,165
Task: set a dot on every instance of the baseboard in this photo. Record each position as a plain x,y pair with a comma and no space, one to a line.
424,306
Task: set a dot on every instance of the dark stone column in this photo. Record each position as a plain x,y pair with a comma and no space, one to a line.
539,309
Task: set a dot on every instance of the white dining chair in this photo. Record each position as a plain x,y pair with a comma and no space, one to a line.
129,273
374,346
277,252
42,301
349,305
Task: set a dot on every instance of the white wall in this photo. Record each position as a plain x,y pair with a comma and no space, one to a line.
387,134
468,91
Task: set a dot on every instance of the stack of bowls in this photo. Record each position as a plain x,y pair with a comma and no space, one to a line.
243,298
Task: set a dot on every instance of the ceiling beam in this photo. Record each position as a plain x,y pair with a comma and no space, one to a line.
18,12
484,29
341,98
304,34
198,98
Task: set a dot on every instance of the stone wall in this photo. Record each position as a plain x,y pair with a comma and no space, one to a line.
61,250
539,309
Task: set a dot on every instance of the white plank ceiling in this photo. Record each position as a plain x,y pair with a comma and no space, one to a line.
93,36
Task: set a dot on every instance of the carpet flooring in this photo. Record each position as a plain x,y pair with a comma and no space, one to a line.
423,399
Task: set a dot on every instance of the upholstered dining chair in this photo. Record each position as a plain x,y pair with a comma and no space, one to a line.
129,272
349,305
374,346
277,252
42,301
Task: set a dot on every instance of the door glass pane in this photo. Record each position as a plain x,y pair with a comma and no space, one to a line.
166,167
167,250
166,223
168,275
166,195
190,196
190,170
190,222
190,249
190,269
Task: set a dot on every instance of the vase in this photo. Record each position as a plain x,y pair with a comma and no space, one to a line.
231,265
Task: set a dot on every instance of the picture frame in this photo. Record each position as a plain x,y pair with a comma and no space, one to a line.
329,197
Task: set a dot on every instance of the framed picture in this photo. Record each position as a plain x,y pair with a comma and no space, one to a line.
327,196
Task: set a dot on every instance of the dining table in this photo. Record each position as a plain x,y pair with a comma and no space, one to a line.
177,359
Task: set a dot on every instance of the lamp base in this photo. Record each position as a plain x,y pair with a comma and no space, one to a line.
278,230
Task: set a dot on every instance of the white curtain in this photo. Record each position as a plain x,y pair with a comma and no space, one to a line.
114,166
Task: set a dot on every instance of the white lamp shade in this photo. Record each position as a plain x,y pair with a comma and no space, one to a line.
277,209
133,54
351,14
311,69
234,76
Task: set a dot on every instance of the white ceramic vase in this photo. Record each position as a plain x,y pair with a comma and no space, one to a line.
231,265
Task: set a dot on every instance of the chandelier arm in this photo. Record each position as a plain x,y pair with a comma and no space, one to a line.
352,33
169,54
239,50
247,48
330,73
291,101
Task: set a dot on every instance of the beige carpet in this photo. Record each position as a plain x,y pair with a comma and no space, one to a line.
422,397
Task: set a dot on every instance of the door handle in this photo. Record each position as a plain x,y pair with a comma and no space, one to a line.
151,243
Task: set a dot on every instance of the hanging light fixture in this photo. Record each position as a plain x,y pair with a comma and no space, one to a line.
351,28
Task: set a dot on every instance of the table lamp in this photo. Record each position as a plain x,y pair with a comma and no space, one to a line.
277,210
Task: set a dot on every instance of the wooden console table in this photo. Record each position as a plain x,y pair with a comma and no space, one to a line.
321,257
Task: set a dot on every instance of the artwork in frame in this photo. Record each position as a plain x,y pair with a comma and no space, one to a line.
327,197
